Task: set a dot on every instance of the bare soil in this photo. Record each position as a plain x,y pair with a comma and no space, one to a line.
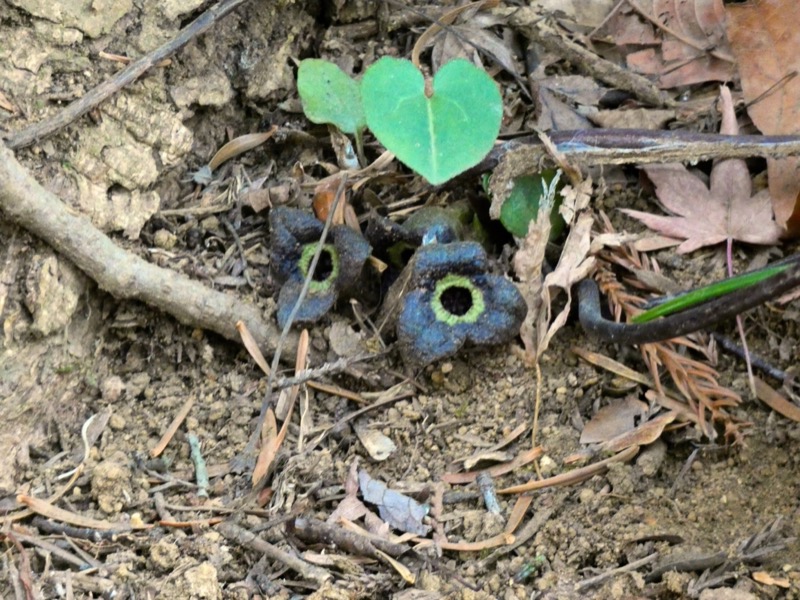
69,351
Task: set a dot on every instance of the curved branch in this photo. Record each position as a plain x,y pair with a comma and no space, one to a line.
125,276
687,321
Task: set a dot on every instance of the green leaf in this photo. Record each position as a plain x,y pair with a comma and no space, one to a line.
708,292
438,136
329,95
522,205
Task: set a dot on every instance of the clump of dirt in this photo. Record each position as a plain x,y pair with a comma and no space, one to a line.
88,380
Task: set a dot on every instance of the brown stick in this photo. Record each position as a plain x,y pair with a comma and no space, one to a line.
314,531
590,63
24,202
242,536
637,146
132,72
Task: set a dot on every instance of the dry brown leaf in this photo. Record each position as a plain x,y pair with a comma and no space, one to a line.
555,114
610,421
710,215
520,461
766,579
577,89
775,401
271,438
471,36
680,41
537,329
578,14
643,435
574,265
251,346
448,18
350,508
528,262
635,118
463,40
574,476
558,98
765,37
240,145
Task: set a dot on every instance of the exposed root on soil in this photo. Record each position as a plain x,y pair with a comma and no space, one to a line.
125,276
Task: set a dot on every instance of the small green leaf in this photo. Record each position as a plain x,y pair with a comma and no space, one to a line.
438,136
522,205
708,292
329,95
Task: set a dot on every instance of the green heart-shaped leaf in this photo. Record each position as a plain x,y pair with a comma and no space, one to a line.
438,136
329,95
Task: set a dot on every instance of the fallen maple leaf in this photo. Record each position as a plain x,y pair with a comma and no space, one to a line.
709,215
681,42
765,37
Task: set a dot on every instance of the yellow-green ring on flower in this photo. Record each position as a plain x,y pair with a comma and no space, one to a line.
448,282
307,255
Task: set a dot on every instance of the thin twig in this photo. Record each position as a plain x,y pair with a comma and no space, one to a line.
544,513
165,515
129,74
25,574
329,368
685,469
240,248
201,472
13,576
593,581
55,550
243,461
758,362
739,322
237,534
177,421
82,533
319,532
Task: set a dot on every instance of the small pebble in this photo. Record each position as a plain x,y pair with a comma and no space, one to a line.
164,239
117,422
111,389
546,465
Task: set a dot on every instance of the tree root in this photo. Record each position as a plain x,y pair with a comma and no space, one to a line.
125,276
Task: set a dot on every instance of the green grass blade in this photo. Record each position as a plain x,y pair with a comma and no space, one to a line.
709,292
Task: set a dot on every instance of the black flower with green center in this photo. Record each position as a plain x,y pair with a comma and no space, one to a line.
450,299
294,236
